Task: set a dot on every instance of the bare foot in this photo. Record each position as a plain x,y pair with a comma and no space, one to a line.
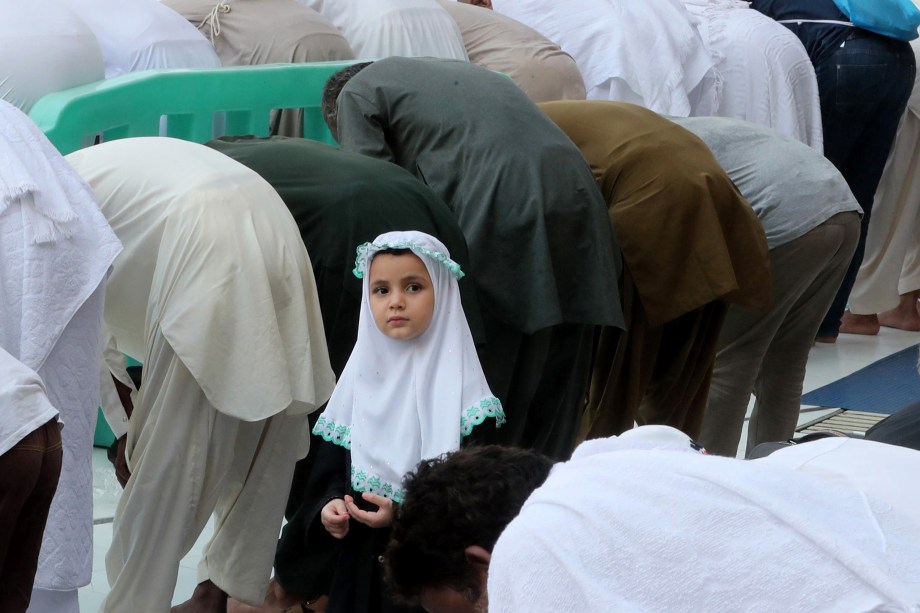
207,598
859,324
276,599
905,316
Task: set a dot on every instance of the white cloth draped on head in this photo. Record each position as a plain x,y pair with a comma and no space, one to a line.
649,527
401,401
55,244
55,251
767,76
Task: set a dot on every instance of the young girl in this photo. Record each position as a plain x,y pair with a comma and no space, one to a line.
411,390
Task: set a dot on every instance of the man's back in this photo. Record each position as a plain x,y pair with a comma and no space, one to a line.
213,260
669,529
506,171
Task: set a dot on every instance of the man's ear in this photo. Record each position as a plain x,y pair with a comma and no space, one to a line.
479,559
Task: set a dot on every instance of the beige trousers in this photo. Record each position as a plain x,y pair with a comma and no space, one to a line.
188,461
891,266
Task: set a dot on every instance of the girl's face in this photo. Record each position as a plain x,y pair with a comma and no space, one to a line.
401,295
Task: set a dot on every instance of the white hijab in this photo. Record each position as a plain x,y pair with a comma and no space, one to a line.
401,401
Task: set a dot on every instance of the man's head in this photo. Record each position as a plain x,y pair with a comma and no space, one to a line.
331,91
454,509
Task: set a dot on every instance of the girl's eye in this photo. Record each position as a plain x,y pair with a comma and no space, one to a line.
413,287
380,291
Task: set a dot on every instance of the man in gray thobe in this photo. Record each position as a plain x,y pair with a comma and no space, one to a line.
811,220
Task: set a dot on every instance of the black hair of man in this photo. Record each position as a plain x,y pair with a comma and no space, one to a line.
334,86
461,499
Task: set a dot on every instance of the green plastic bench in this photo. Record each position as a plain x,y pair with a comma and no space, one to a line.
133,104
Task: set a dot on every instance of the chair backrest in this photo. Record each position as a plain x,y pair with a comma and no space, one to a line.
134,104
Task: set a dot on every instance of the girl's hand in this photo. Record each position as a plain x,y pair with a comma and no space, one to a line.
381,518
335,518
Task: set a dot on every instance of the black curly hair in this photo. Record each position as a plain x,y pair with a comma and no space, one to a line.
331,91
460,499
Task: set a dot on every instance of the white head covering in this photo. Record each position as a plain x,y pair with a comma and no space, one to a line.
402,401
55,244
648,525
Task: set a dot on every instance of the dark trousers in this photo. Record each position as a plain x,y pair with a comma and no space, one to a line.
864,87
542,381
652,374
28,479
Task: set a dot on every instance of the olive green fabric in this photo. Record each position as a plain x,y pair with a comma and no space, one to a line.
687,235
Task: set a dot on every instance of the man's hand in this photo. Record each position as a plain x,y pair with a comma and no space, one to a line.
335,518
121,462
381,518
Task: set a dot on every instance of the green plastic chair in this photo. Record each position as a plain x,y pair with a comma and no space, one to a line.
133,104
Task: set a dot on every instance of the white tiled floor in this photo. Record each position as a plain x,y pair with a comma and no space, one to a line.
826,363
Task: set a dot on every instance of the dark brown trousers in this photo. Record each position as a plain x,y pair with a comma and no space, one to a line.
652,374
28,479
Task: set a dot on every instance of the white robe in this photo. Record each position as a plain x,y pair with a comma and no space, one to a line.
44,48
656,528
647,53
144,35
380,28
768,77
55,251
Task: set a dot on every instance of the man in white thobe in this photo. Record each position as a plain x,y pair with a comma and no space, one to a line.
55,251
44,48
611,40
215,295
380,28
768,78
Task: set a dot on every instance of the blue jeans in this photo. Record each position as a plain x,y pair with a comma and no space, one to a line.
864,87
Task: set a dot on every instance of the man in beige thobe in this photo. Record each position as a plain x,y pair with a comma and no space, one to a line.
215,295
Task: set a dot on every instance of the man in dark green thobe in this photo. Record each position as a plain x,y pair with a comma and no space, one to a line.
339,200
541,247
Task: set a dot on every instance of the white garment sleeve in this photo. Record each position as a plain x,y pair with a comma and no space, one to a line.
113,364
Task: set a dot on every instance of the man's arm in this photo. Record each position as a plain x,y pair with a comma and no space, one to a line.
117,393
